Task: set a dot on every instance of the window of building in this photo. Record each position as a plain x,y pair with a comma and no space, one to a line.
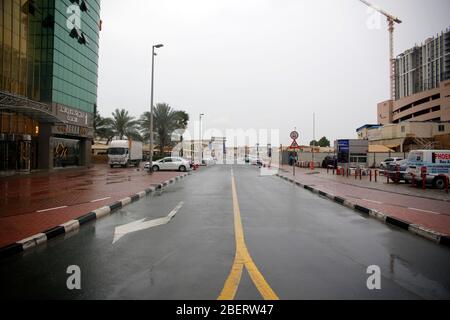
441,128
403,129
436,96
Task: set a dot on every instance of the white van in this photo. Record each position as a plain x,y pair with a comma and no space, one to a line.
437,163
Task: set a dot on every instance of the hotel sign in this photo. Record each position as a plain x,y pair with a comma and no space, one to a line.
72,115
72,130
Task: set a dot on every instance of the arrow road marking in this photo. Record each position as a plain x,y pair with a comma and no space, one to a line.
141,224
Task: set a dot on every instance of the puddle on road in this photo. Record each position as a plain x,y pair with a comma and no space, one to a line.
402,273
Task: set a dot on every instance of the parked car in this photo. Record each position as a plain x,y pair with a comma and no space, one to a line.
170,163
436,163
402,175
208,161
384,164
329,161
254,161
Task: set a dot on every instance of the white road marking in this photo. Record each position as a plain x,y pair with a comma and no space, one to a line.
427,211
51,209
373,201
97,200
141,224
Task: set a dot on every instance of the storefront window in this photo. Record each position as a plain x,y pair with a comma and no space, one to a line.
66,152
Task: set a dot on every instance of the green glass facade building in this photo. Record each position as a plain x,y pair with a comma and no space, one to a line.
48,82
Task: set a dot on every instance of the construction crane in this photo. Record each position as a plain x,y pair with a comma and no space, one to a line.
391,22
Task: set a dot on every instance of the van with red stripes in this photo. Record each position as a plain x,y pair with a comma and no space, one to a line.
434,164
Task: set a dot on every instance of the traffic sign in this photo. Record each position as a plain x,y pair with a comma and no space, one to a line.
294,145
294,135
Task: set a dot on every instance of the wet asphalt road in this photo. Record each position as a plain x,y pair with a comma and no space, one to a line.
306,247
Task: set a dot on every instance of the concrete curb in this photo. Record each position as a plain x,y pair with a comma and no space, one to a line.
414,229
73,225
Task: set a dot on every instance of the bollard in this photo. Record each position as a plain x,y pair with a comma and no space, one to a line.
360,174
348,172
423,172
387,176
328,169
370,175
376,172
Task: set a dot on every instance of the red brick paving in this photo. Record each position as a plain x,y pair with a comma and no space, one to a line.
392,204
21,197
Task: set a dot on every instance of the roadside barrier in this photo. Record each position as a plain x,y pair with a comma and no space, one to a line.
308,164
392,176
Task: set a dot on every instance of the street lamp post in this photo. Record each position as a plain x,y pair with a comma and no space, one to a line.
150,171
200,138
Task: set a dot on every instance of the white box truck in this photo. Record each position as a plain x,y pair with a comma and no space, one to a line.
124,153
436,163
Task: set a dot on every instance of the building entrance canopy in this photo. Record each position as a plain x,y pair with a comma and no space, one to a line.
35,110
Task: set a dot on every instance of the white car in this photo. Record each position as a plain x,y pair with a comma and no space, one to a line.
209,161
384,164
254,160
170,163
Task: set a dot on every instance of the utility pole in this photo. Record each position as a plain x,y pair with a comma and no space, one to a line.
314,141
200,138
150,171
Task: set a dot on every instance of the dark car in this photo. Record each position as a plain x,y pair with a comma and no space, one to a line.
329,161
401,175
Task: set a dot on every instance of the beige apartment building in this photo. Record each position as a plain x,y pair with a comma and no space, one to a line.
430,105
422,83
409,135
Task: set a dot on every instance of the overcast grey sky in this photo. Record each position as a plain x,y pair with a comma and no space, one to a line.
258,64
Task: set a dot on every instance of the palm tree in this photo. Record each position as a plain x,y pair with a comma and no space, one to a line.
165,122
124,125
102,127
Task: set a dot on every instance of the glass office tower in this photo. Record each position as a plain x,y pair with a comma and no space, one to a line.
48,82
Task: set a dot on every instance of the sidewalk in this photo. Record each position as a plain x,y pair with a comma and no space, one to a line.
429,209
34,203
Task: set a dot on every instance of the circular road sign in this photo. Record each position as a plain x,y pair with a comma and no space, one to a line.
294,135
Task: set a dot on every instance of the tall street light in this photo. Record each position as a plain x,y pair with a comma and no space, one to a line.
150,171
200,137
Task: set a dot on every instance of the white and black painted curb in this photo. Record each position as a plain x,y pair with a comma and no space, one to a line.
73,225
415,229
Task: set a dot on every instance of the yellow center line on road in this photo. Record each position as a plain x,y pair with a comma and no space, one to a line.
243,259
